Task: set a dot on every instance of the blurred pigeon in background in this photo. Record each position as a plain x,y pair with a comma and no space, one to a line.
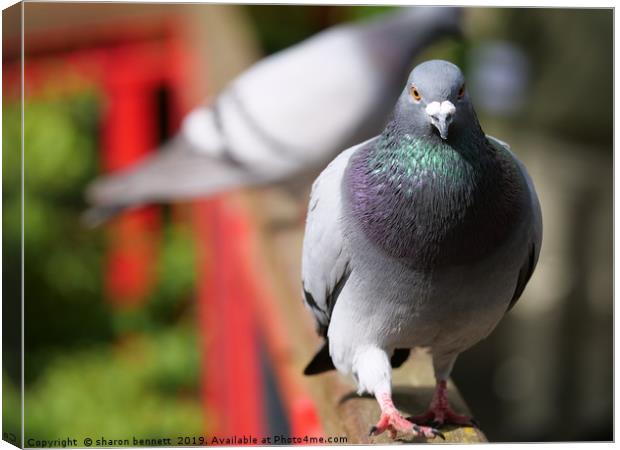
424,236
287,115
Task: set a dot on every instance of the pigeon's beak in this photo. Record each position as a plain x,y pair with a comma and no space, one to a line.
441,116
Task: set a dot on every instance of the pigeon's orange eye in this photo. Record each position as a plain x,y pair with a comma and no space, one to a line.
461,92
415,94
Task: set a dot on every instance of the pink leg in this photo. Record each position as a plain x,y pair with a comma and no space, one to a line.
393,422
440,411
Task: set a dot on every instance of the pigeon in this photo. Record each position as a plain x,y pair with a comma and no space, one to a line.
288,114
423,236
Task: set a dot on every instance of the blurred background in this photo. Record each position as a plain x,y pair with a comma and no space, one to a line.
124,332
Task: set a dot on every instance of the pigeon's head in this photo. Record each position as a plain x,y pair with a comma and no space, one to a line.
435,99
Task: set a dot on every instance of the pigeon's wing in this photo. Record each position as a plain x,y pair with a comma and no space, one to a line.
531,259
305,102
325,264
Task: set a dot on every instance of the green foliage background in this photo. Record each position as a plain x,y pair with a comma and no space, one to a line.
90,371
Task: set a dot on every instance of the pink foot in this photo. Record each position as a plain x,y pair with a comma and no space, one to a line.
440,411
393,422
397,423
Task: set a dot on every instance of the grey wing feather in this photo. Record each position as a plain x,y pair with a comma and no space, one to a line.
176,171
531,259
325,263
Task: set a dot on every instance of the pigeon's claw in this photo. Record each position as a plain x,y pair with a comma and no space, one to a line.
428,432
394,423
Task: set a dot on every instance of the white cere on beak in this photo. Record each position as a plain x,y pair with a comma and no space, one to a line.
443,108
441,116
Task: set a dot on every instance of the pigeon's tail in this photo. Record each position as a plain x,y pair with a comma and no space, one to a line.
175,172
98,215
410,30
322,361
399,357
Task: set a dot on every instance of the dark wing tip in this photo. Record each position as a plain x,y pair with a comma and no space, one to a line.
399,357
321,362
524,276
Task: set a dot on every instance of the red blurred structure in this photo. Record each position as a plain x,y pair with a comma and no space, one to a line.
128,63
240,314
